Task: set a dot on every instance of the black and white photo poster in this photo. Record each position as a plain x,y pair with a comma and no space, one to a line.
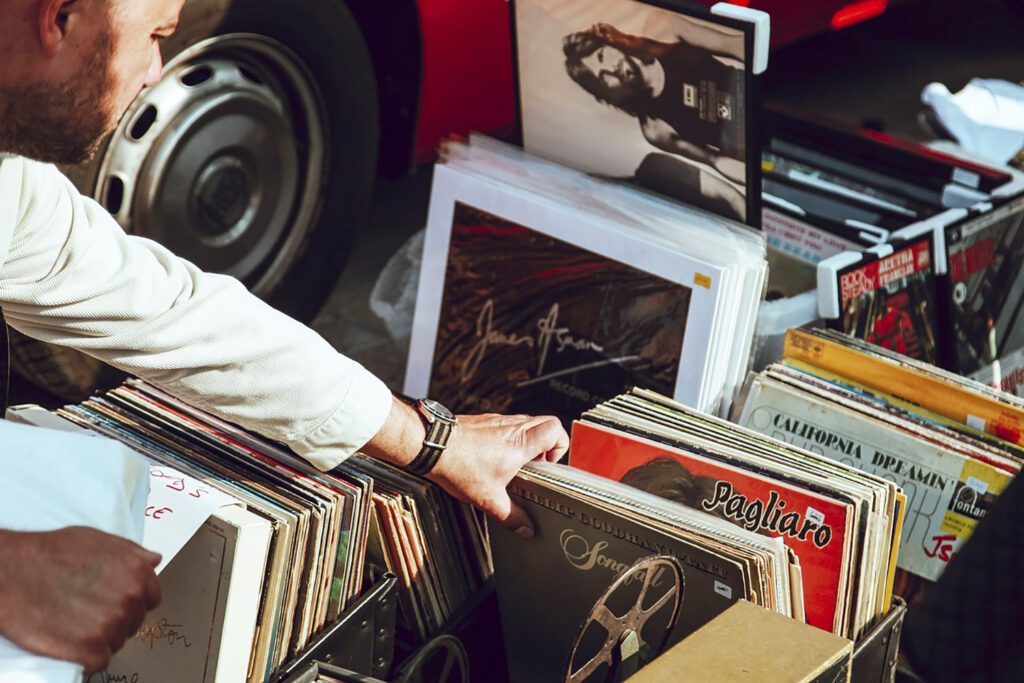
632,90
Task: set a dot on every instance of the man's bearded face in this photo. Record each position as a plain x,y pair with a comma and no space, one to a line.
65,122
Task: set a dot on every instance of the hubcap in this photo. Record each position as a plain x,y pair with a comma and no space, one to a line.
222,160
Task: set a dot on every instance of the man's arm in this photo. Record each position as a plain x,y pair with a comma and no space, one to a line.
75,594
71,276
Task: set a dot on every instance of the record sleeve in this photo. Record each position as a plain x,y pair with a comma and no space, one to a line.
954,396
662,93
884,295
553,589
945,489
984,295
530,306
815,526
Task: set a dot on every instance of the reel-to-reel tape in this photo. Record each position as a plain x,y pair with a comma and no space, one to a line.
630,623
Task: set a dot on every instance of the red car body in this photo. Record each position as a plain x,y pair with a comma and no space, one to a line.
467,78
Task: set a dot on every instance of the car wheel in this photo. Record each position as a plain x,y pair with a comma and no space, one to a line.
256,153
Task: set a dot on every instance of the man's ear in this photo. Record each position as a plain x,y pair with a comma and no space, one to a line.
55,17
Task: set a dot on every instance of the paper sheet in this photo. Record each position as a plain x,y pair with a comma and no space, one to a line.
53,479
177,505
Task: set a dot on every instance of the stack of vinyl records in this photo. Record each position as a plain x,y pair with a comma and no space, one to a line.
950,443
266,574
544,290
613,573
842,524
830,187
910,248
436,546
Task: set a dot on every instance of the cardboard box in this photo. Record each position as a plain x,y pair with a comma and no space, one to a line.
750,643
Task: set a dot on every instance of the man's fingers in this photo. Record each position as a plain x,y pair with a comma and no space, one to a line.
547,438
509,514
151,558
153,594
519,522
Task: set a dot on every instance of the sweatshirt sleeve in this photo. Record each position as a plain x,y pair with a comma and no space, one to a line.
71,276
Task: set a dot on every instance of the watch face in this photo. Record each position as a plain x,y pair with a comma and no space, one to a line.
437,409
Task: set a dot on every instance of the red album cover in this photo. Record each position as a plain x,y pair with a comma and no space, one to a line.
891,302
814,526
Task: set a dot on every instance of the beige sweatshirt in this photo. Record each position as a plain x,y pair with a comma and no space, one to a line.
70,275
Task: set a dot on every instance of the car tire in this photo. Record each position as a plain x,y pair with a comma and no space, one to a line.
256,94
254,156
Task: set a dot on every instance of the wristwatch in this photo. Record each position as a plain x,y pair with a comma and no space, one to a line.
439,423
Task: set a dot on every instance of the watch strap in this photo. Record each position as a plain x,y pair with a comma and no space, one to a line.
438,431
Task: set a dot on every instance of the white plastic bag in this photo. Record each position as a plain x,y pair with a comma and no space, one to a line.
986,117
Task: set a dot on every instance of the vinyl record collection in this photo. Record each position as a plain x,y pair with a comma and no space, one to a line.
544,290
842,524
911,423
615,559
300,547
624,293
911,248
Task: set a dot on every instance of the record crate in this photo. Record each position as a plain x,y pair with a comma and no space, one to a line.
836,220
366,646
362,640
876,652
363,646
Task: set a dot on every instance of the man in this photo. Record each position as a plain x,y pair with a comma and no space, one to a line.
69,275
688,101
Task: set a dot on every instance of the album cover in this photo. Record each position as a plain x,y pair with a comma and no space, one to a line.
946,490
533,324
565,594
956,397
818,527
888,301
984,293
659,93
527,306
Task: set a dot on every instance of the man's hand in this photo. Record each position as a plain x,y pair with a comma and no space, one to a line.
483,454
486,451
75,594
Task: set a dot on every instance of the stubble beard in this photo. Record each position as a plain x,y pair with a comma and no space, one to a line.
62,123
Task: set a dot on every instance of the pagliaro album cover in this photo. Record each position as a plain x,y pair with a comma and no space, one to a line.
984,295
886,295
661,93
528,306
814,523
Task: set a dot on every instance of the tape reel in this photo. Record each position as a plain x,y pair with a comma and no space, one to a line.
646,615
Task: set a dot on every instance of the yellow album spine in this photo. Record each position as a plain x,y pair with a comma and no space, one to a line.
904,381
